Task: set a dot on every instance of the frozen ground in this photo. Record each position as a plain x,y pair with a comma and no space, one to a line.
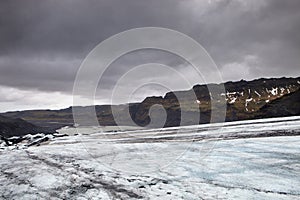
236,160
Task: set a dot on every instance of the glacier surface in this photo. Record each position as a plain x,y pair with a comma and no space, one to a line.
234,160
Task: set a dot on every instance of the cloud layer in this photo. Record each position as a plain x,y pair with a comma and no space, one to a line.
44,42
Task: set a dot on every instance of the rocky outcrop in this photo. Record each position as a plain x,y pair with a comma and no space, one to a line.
261,98
17,127
288,105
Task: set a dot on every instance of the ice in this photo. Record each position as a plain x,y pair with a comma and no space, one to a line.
46,180
231,160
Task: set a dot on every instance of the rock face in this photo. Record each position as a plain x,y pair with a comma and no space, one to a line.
250,97
288,105
261,98
17,127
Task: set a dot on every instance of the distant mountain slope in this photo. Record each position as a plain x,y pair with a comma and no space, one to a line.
244,100
261,98
18,127
44,118
288,105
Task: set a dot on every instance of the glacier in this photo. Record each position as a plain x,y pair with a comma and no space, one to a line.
253,159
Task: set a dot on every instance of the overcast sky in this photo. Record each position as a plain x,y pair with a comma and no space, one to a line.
43,43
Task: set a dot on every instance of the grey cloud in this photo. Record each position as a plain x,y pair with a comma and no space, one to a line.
44,42
269,31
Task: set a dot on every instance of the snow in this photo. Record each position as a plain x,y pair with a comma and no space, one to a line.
210,161
257,93
230,93
233,100
246,103
274,91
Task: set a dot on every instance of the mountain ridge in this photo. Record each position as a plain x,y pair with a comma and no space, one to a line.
243,99
18,127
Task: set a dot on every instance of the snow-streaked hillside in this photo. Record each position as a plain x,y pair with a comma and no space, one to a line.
253,98
235,160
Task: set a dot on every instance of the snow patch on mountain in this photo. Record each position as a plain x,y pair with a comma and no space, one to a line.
246,103
274,91
257,93
233,100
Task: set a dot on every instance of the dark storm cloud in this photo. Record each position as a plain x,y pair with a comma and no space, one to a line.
44,42
268,31
74,25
